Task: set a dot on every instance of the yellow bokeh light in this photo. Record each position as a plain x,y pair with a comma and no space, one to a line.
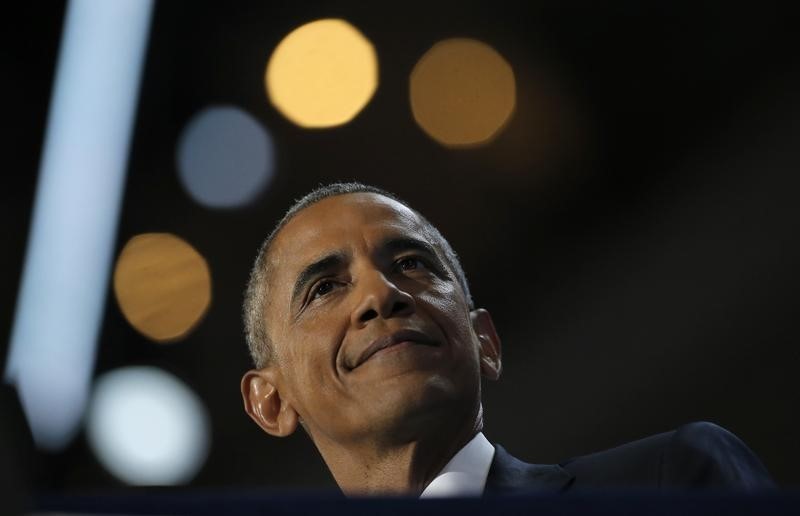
462,92
162,285
322,74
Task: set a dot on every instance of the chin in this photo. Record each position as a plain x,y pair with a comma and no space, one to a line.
429,404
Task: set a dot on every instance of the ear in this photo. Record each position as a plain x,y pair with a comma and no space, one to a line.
489,341
264,404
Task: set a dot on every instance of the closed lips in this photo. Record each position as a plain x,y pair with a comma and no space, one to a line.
392,339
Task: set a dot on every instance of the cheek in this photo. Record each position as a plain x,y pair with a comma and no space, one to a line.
450,311
311,356
311,350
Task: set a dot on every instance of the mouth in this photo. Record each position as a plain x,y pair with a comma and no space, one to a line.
393,339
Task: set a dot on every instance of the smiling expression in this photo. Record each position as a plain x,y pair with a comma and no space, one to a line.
371,332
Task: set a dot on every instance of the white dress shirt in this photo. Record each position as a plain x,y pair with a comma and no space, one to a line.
466,473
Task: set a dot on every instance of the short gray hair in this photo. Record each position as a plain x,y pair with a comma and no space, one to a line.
256,294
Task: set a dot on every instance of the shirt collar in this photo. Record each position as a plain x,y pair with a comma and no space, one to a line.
465,474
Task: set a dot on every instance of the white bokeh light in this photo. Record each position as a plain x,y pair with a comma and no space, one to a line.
147,427
225,157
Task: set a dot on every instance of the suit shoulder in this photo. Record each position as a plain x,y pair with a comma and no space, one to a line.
704,454
701,433
702,438
634,464
699,454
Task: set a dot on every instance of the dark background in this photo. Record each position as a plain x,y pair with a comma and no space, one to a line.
633,230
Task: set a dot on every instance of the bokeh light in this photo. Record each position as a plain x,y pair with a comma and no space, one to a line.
322,74
225,157
147,427
73,226
162,285
462,92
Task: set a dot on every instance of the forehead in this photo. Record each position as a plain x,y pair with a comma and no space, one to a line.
340,223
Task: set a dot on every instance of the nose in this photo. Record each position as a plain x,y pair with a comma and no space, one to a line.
381,298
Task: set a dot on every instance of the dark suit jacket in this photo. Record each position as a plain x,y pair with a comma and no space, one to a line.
697,455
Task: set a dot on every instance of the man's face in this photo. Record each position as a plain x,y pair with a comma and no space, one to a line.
371,331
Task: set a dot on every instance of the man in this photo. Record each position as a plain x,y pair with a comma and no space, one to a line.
363,331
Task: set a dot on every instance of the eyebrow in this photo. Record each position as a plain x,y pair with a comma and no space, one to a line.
313,270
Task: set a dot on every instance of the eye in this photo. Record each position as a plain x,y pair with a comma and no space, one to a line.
410,263
323,288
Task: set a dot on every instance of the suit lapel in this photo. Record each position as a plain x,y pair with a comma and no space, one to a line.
510,474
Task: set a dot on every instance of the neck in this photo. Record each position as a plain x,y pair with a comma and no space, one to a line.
396,468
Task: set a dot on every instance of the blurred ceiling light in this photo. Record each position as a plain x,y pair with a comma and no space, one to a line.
63,287
225,157
462,92
162,285
322,74
147,427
